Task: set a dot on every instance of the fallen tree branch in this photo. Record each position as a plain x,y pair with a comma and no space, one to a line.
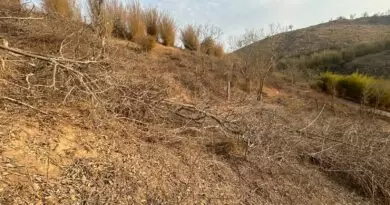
22,103
20,18
41,57
315,119
223,124
81,76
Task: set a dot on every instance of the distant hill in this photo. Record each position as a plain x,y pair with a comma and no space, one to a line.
331,35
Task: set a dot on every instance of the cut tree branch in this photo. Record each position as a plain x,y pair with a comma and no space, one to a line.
20,18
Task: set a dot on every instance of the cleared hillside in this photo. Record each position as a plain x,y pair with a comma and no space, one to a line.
83,126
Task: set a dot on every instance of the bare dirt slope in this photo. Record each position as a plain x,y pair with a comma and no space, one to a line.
78,126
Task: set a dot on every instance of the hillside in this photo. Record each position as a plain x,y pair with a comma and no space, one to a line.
377,64
80,124
332,35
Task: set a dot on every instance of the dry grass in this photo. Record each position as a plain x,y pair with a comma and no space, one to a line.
135,20
190,37
219,50
152,16
116,131
167,27
61,7
208,46
117,14
147,43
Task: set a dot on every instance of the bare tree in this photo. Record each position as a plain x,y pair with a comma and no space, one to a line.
258,62
100,21
210,31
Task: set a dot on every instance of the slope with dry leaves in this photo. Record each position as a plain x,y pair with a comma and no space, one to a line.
125,127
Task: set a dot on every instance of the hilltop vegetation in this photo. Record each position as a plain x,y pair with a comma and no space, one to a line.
346,60
335,34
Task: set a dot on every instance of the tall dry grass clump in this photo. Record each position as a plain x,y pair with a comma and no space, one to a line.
135,21
167,29
208,45
151,18
117,14
219,50
190,37
61,7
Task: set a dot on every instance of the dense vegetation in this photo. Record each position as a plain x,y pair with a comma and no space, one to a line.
336,60
357,87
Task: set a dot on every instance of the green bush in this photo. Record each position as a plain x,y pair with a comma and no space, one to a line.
378,94
353,86
328,82
324,59
331,59
357,87
348,54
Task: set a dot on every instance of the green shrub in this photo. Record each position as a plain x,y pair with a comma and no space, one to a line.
348,54
324,59
328,82
353,86
378,94
331,59
357,87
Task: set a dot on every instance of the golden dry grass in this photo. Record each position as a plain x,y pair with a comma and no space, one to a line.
219,50
61,7
135,20
208,45
167,27
190,37
152,16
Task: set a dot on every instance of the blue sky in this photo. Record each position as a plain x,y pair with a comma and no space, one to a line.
234,16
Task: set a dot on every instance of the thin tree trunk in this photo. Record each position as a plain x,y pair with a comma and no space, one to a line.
228,90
